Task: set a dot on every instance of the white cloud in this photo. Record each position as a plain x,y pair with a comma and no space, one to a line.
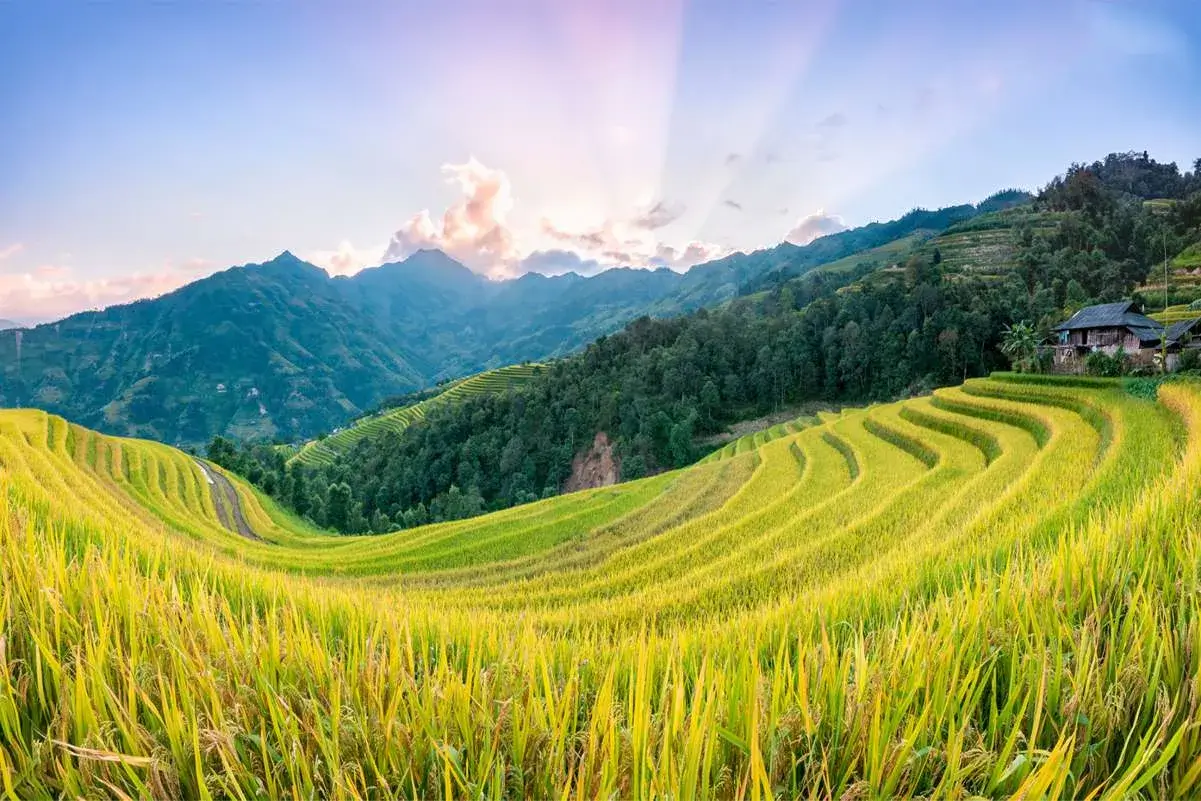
11,250
473,230
50,292
815,225
347,259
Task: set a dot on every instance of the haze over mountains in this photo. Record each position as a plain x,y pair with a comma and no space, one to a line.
281,349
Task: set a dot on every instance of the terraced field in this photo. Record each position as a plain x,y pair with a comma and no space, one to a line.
1184,277
992,591
987,245
325,451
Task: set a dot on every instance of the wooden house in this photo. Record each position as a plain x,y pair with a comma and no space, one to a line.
1112,327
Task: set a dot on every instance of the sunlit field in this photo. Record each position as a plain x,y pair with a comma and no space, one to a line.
989,591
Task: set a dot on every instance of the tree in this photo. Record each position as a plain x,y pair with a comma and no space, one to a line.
337,506
710,401
1020,344
300,493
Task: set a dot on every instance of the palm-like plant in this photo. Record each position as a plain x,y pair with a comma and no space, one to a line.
1020,343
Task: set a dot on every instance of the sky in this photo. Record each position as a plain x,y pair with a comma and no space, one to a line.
144,145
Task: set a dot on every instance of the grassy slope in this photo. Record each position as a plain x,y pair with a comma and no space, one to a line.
989,591
884,255
324,451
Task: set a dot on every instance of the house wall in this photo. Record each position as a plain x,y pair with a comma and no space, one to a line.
1101,338
1070,357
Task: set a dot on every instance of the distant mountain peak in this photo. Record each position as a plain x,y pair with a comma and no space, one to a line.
435,257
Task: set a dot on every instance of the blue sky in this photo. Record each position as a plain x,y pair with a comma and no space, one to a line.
144,144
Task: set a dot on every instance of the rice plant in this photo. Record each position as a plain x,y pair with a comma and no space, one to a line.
995,590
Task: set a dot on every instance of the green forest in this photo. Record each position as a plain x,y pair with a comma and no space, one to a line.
872,333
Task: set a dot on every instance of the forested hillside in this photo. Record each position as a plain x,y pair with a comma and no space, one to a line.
849,336
282,351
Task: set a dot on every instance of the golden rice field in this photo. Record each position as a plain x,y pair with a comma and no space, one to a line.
993,591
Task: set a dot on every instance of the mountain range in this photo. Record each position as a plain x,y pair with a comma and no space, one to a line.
283,350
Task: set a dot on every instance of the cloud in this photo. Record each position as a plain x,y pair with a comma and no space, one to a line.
616,243
473,230
11,250
557,262
691,254
835,120
732,159
659,215
816,225
591,239
734,204
50,292
346,260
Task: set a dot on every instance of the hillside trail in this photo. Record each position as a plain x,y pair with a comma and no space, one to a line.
228,503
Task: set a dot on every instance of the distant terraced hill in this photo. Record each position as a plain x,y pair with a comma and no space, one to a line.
992,591
987,245
325,450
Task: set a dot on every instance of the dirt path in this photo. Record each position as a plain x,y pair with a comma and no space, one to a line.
228,503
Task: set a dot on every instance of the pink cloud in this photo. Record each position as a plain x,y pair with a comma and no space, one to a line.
607,245
11,250
50,292
815,225
473,230
476,232
691,254
347,259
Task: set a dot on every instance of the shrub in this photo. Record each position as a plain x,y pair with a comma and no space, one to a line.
1190,359
1102,364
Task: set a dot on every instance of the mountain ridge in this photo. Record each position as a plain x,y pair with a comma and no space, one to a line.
282,350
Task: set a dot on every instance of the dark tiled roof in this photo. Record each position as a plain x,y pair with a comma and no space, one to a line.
1110,315
1102,316
1177,330
1147,334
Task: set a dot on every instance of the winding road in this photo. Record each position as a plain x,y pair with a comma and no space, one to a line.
228,503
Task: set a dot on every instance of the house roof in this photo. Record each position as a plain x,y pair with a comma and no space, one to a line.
1120,315
1110,315
1146,334
1177,330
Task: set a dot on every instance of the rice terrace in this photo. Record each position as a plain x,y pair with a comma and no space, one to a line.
939,597
512,400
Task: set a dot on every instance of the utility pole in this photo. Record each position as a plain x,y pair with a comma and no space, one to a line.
1163,348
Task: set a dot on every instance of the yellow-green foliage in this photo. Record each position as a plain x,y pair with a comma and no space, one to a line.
749,442
324,451
992,591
